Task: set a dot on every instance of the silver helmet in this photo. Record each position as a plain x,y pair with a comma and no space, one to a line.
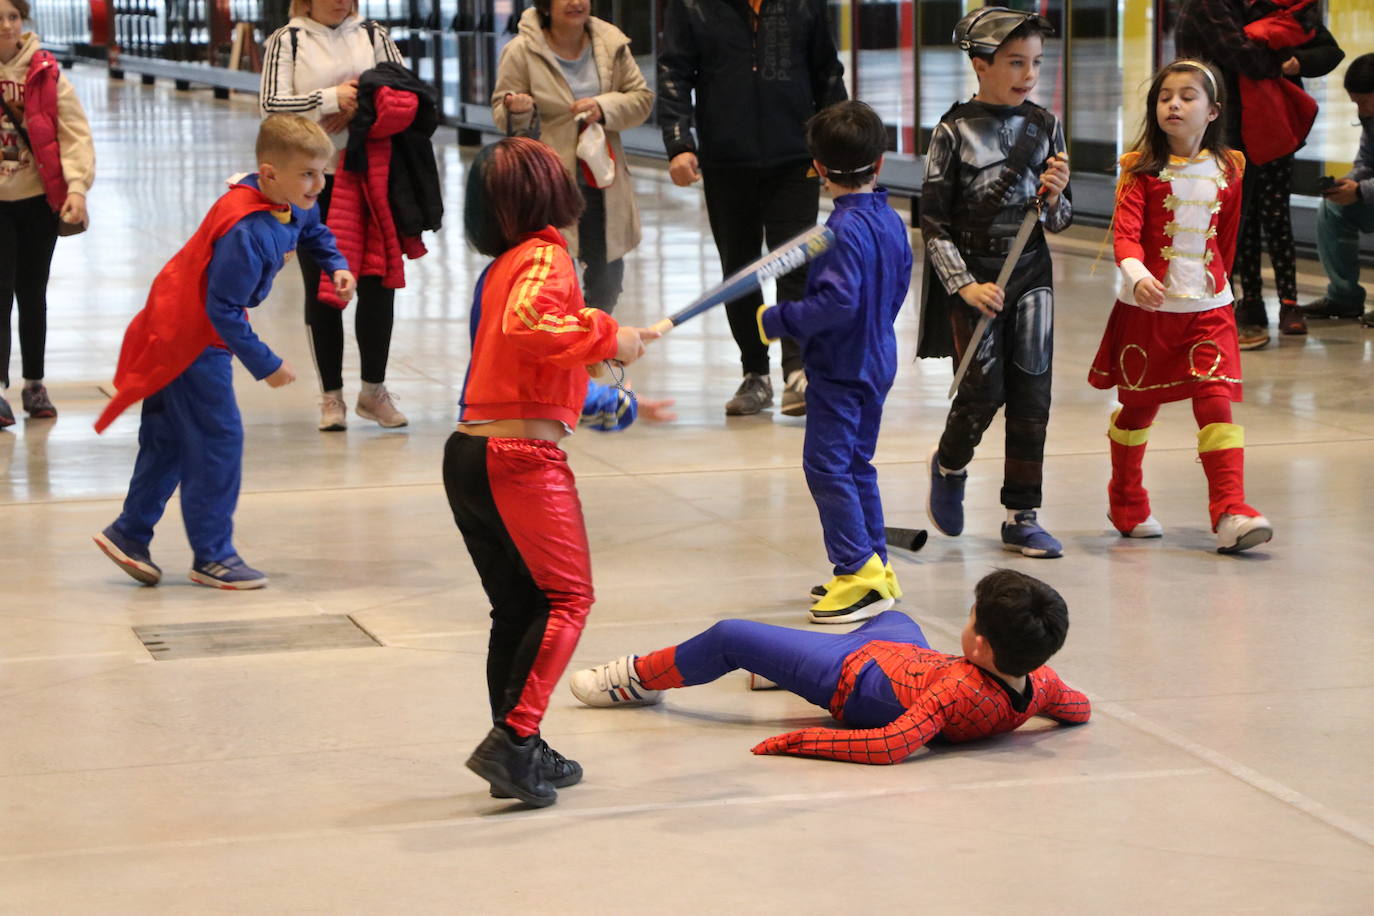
983,30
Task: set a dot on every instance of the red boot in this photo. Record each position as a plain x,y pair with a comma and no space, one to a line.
1127,497
1239,526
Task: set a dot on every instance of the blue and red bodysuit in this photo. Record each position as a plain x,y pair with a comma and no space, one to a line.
882,680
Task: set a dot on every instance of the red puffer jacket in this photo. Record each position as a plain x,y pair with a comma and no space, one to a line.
40,121
1276,115
359,211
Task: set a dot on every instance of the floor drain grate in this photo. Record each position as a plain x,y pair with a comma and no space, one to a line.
172,641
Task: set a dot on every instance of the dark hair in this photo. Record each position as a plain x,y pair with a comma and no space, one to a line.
1024,30
544,9
516,186
1023,620
23,7
1153,144
1359,76
847,138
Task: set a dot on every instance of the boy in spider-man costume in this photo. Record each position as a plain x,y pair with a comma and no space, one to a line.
883,682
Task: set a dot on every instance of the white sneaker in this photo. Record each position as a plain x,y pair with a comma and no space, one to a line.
1241,532
1150,528
381,407
333,412
613,684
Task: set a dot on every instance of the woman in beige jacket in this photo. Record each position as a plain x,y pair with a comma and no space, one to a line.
564,63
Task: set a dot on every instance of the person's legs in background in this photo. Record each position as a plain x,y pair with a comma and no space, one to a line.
791,201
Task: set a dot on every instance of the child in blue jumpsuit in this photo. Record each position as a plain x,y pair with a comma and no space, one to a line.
177,355
844,325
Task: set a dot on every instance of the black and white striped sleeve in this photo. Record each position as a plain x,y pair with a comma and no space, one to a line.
277,94
384,49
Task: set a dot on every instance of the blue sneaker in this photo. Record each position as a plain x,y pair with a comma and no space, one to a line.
129,556
945,504
230,573
1026,537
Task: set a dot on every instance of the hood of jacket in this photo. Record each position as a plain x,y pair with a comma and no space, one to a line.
604,35
346,28
18,68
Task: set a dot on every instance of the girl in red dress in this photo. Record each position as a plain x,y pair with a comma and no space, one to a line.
1172,332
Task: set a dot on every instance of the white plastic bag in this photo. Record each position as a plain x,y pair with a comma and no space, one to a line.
594,152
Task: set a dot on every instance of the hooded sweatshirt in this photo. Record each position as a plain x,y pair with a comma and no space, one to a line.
19,178
302,76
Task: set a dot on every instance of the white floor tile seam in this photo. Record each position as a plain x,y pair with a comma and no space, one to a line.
510,816
8,696
1269,786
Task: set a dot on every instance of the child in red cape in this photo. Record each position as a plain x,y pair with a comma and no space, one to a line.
177,352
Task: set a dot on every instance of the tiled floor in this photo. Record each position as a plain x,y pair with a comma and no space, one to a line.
1227,766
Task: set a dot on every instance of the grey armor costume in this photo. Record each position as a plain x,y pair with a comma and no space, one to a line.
982,172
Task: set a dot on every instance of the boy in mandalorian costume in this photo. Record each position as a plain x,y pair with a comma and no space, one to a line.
990,159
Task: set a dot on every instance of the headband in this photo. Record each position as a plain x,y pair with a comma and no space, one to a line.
851,172
1206,71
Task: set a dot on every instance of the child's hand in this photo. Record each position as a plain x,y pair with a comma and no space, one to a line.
283,376
344,284
1292,67
657,411
630,343
1055,178
74,208
985,297
1149,294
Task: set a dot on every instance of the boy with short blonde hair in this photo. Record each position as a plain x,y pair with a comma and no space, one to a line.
177,350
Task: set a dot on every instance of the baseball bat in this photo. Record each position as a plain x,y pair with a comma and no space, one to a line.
912,539
784,259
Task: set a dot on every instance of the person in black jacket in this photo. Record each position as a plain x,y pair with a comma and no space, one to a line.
760,69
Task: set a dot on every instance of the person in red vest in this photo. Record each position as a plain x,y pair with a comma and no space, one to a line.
47,164
177,355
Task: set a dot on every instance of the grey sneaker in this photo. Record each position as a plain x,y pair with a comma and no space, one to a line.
382,408
794,394
333,412
37,404
752,395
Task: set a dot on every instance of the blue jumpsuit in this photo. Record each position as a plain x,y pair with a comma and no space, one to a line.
844,325
190,432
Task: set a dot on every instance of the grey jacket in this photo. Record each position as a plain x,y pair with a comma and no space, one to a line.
1363,172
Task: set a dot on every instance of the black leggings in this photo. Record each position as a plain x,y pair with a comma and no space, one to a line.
28,233
1266,219
373,316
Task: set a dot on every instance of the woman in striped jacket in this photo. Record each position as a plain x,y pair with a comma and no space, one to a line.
311,67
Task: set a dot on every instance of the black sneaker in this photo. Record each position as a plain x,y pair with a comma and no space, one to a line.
37,404
513,769
1325,308
752,395
553,766
6,413
870,605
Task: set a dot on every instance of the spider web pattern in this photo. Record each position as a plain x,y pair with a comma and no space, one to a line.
658,670
944,695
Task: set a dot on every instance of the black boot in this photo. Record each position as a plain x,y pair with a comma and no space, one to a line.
513,769
553,766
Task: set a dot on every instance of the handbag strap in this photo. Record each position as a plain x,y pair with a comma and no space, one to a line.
18,124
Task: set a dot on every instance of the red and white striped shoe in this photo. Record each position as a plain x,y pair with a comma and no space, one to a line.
613,684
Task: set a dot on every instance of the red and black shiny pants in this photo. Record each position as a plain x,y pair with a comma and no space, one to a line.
515,502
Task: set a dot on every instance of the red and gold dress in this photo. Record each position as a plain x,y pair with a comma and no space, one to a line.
1178,226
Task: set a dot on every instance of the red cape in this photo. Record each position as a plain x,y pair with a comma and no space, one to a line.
173,328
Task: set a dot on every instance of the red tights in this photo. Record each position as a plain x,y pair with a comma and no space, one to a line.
1211,409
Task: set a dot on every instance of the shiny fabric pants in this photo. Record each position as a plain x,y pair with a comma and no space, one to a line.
190,435
803,662
837,455
1011,368
516,504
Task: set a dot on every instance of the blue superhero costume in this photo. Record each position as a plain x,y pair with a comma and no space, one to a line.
191,433
844,325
